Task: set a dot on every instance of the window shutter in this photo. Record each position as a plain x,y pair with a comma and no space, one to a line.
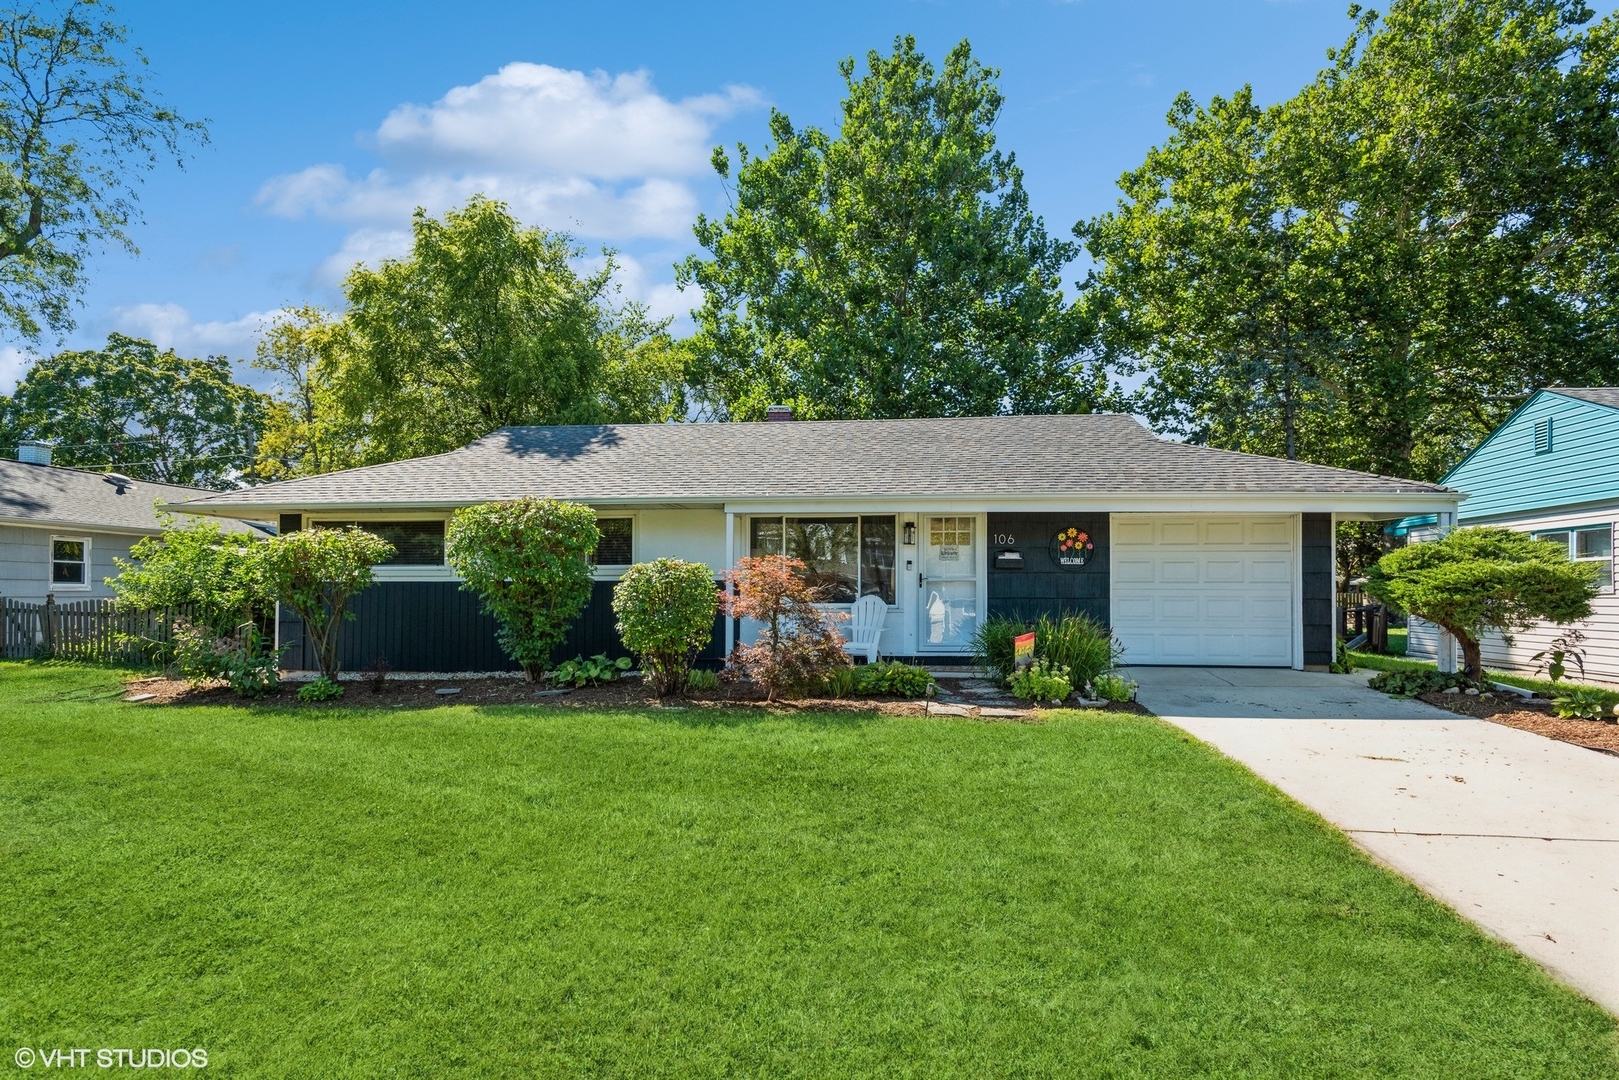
1543,435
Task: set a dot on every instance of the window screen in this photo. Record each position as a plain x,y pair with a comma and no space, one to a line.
1588,544
68,562
617,545
416,543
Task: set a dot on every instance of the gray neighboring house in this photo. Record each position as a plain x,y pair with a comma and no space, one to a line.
61,529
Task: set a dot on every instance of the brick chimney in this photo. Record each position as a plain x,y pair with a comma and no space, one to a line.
778,414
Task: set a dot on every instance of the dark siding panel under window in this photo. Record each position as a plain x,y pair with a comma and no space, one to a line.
438,626
1040,586
1318,580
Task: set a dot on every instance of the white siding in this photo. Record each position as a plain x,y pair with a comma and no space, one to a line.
25,562
1601,630
693,535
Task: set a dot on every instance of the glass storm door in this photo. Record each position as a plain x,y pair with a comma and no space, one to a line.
949,609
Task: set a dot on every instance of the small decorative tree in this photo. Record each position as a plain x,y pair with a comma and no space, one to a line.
797,647
528,561
665,612
315,572
1482,579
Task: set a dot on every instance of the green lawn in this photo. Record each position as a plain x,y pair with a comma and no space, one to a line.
527,892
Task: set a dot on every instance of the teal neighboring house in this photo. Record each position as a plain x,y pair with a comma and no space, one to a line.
1551,469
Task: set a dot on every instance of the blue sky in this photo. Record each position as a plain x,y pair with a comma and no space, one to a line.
331,120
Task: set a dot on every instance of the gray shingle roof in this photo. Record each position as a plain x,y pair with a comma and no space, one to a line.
969,456
51,495
1596,395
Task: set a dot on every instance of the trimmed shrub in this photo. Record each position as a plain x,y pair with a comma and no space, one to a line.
665,612
797,649
528,562
314,572
893,677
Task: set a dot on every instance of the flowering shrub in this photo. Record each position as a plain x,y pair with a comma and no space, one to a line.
665,612
1041,681
526,559
1113,687
797,648
242,658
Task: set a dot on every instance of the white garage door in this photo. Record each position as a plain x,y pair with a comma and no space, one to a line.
1204,589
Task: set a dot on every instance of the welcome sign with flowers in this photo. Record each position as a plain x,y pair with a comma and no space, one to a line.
1071,548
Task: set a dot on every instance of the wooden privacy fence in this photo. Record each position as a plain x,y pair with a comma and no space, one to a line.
94,630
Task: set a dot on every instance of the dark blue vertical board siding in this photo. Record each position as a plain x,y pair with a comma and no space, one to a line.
1318,588
438,626
1041,586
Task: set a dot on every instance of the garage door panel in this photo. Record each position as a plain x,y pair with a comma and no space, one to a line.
1178,533
1270,570
1212,591
1134,570
1178,571
1279,533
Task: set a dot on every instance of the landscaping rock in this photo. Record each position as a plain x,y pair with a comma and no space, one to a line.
133,698
551,693
446,691
1452,690
1472,691
936,708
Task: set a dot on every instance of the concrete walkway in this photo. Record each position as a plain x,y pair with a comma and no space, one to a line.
1516,832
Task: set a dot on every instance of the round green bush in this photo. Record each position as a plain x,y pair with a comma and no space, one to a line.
665,612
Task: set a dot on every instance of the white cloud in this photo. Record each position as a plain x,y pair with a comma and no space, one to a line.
13,362
603,157
170,326
538,117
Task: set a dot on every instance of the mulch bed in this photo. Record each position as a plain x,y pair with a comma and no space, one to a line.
1530,714
627,693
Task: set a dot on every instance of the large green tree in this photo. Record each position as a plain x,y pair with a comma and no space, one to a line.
891,270
488,324
1374,272
148,413
485,324
78,125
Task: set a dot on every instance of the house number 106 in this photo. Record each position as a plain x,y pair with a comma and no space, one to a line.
1005,538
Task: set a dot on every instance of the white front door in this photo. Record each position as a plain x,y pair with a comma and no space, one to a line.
949,594
1204,589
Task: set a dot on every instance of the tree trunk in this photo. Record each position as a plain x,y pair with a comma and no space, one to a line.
1472,656
534,672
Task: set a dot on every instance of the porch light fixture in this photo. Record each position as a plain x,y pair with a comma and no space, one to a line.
910,534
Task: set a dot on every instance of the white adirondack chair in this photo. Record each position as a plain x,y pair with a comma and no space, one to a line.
865,626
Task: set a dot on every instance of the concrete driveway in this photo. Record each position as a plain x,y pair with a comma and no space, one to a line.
1516,832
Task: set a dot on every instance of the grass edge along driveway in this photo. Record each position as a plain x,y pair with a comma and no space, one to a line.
525,891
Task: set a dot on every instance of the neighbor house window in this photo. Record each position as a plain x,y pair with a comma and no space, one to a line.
70,562
416,543
1588,544
617,544
847,557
